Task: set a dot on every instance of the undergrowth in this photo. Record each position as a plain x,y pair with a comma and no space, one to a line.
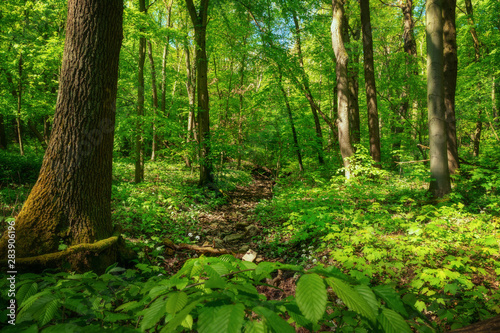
371,254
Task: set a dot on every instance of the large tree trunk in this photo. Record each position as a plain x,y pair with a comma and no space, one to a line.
370,86
139,135
200,21
70,202
307,90
440,176
450,80
342,84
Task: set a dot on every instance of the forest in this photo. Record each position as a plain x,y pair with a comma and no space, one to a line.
250,166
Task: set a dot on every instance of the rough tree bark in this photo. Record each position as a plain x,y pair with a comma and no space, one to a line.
139,136
450,80
70,202
200,20
342,84
370,86
440,176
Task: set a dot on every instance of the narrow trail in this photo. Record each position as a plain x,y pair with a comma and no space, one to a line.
231,226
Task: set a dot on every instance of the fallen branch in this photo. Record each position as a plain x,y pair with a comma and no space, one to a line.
202,249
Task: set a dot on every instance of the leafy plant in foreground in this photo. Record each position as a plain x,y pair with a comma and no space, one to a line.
210,295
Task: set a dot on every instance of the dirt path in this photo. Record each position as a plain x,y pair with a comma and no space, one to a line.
230,226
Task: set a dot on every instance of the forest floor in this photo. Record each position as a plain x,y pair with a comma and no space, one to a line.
234,229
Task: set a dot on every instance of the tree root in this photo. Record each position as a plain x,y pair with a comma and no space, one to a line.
202,249
57,259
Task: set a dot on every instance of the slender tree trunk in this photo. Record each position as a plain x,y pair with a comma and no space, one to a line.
71,200
19,104
477,52
139,136
37,134
155,100
410,48
370,86
307,90
477,134
494,103
46,130
3,137
440,176
342,84
292,125
240,109
450,80
164,60
200,21
354,123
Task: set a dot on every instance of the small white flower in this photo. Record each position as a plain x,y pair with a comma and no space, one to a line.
309,257
190,235
160,274
314,260
304,251
303,255
310,247
197,237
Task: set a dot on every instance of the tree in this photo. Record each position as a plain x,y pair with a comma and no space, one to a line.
440,175
199,18
70,202
307,91
346,148
450,80
139,138
370,86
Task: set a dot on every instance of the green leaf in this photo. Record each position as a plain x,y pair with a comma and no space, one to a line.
188,322
176,301
255,327
25,292
49,312
153,314
311,296
180,316
368,296
351,298
128,306
392,322
391,298
277,324
222,319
